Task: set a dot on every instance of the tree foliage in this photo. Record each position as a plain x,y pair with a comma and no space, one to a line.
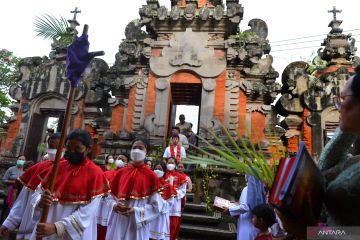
8,68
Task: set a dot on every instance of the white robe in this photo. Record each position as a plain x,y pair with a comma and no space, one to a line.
245,229
103,213
79,220
20,214
160,227
175,210
136,226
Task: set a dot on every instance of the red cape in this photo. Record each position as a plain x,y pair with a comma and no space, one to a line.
134,182
78,184
110,175
179,178
167,191
32,177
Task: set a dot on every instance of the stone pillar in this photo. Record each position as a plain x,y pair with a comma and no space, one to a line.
161,105
207,101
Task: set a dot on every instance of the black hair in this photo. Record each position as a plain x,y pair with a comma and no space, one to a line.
144,141
124,154
176,127
355,85
171,158
265,213
107,156
81,135
162,164
54,136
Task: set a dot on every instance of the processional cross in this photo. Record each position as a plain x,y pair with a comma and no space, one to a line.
334,11
75,12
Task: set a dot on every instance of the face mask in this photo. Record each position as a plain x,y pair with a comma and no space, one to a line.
170,167
119,163
51,152
111,160
74,157
159,173
137,155
20,162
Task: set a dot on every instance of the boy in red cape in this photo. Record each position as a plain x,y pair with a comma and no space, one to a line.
178,181
78,188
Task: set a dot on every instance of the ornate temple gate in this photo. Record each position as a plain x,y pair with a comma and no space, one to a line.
308,89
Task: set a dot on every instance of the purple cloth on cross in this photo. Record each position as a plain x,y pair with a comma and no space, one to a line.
78,58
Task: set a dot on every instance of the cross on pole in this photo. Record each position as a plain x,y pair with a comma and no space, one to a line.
334,11
75,12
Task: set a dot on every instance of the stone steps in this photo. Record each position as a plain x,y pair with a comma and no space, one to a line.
198,224
189,231
195,207
202,219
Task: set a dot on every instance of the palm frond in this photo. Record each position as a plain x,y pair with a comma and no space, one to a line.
243,156
49,27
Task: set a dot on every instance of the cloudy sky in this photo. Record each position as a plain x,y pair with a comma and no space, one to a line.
286,19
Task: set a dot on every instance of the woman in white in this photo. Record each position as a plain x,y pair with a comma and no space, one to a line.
135,198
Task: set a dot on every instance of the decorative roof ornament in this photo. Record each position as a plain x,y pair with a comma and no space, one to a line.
335,24
73,22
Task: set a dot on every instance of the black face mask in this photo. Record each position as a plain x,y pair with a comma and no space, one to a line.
74,157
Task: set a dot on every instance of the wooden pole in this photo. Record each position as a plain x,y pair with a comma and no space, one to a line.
55,168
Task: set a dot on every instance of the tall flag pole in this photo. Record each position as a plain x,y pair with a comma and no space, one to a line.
78,58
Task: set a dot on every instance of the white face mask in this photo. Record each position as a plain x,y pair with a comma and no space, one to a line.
51,153
159,173
111,160
170,167
137,155
119,163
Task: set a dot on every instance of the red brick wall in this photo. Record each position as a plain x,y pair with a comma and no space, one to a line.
219,103
117,116
130,112
151,95
257,126
242,112
13,131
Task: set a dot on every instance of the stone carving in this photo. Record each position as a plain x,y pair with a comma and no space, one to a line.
133,31
162,83
140,98
261,66
264,109
188,51
218,12
162,13
204,13
209,84
259,27
189,12
175,13
235,11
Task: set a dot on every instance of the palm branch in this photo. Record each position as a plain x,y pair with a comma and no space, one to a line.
49,27
243,156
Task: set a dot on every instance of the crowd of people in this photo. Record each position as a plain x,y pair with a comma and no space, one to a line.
128,197
138,198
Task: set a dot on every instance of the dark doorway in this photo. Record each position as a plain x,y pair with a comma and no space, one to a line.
185,99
